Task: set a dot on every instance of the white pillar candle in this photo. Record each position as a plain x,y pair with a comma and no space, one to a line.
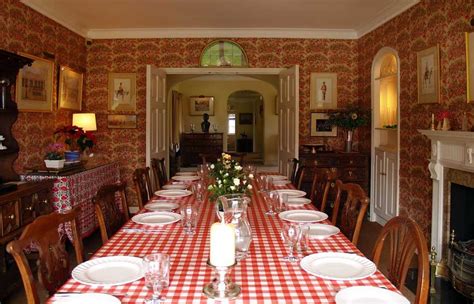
222,244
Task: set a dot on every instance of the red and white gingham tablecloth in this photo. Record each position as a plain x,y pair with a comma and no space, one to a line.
263,276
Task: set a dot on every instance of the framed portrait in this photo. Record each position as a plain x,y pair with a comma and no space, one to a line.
115,121
70,89
319,126
122,92
200,105
245,118
323,91
470,66
34,86
428,75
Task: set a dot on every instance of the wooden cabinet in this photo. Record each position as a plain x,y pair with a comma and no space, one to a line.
194,144
348,167
17,210
385,185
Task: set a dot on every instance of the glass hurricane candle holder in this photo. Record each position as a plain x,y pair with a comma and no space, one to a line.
222,287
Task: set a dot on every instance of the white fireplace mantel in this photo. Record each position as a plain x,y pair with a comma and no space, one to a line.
449,149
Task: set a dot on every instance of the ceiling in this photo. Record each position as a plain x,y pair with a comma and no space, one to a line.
106,19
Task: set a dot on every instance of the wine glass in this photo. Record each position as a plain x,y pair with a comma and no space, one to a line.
157,269
290,233
270,203
275,200
282,202
198,189
189,215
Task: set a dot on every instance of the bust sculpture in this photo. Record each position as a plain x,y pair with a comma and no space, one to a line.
205,124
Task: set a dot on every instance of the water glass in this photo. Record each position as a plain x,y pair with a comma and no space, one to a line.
290,233
189,217
157,269
270,203
262,182
275,198
302,245
282,202
199,189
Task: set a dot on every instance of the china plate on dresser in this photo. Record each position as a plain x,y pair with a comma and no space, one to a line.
322,231
156,218
369,294
291,192
338,266
157,205
174,193
109,271
185,178
303,216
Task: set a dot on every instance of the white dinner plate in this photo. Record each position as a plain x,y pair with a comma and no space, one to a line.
282,182
369,295
109,271
175,193
298,201
322,231
303,216
292,192
186,173
338,266
185,178
156,218
81,298
161,206
174,187
278,177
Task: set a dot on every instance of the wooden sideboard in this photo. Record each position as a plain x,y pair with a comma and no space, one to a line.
194,144
348,167
18,209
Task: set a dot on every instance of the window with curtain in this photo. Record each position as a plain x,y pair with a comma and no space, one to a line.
223,53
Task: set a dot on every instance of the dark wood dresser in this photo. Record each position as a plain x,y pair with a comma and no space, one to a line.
348,167
17,210
194,144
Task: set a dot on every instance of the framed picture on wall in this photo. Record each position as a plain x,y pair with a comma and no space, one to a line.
323,91
319,126
470,66
428,75
70,89
115,121
122,92
200,105
34,86
245,118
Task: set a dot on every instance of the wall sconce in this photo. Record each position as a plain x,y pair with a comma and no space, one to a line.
86,121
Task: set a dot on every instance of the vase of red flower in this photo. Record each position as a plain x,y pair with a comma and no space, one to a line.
77,141
444,122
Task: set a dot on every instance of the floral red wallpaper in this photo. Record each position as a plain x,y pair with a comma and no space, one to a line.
424,25
24,30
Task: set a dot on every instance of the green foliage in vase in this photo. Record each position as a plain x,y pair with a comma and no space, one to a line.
351,118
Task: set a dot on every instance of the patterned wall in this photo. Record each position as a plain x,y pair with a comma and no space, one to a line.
424,25
25,30
132,56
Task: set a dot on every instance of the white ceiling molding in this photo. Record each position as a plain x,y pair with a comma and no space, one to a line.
221,33
396,8
45,11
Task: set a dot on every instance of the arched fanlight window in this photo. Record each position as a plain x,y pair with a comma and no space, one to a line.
223,53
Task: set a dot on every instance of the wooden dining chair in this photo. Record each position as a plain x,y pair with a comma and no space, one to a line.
353,210
294,167
141,179
299,176
45,234
111,219
156,174
404,237
162,171
323,182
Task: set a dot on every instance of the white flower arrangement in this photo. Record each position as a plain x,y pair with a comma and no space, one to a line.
228,178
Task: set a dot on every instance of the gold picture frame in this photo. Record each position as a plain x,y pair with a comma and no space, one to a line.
319,127
117,121
34,85
199,105
70,89
470,66
122,92
323,91
428,75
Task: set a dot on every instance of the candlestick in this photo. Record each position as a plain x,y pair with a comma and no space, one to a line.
433,122
222,287
222,251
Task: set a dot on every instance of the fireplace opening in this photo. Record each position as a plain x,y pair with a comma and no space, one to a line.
462,212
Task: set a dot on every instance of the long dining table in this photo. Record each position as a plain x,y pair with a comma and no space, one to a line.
263,276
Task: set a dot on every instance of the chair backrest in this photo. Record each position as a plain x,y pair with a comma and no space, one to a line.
294,167
108,212
156,174
47,234
209,158
141,178
163,175
405,237
323,181
299,177
353,211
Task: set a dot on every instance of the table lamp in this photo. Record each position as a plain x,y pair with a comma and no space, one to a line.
86,121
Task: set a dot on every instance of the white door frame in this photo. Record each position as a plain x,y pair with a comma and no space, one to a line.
375,73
